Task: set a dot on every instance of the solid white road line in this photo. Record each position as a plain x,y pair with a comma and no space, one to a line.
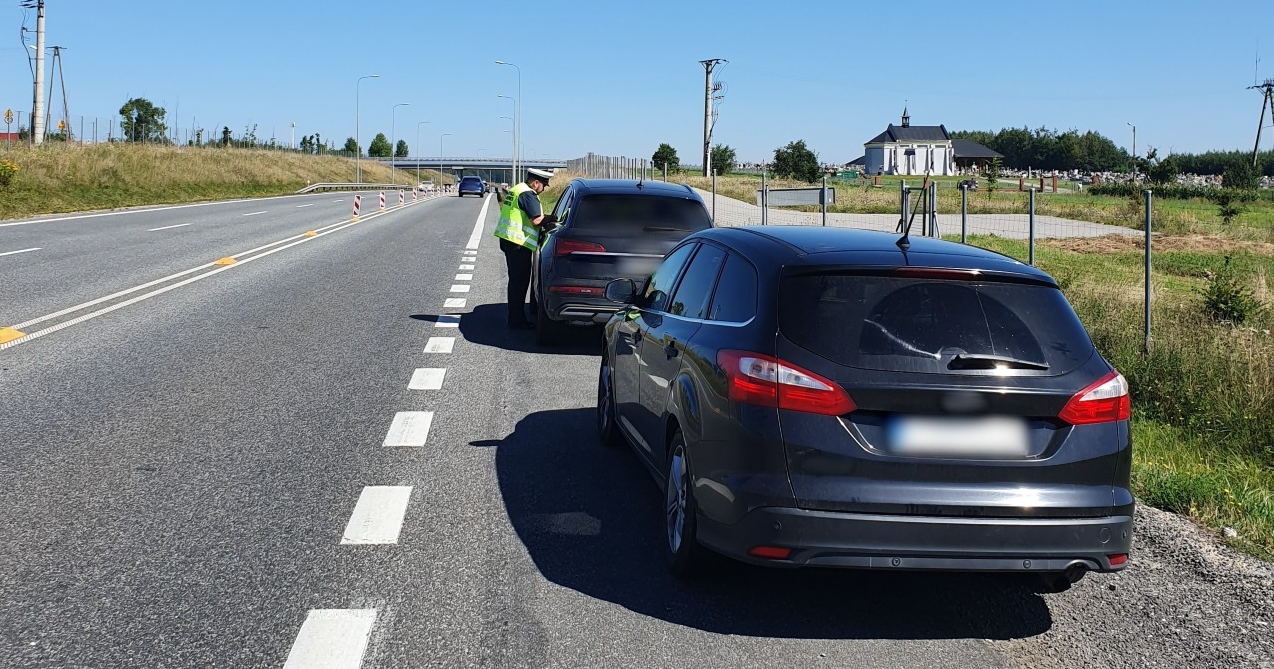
257,213
152,209
445,321
460,288
378,516
440,344
10,253
410,428
468,267
464,277
168,227
477,227
427,378
332,639
455,303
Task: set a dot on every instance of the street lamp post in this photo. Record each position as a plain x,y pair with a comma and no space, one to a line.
516,113
519,114
358,147
1134,151
418,149
441,153
393,150
511,177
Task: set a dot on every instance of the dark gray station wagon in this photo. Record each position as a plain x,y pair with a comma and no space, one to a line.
821,397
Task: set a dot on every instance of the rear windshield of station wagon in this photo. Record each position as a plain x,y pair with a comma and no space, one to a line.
933,326
640,214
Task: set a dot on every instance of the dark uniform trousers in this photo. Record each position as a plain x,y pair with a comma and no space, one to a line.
517,260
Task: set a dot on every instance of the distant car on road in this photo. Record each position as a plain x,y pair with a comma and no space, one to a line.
472,185
819,397
606,229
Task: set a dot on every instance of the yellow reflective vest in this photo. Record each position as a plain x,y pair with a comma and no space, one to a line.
514,224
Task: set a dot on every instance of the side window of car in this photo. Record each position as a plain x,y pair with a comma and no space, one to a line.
658,288
563,208
735,298
695,288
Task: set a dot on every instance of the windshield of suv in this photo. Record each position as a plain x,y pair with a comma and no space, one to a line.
937,326
638,214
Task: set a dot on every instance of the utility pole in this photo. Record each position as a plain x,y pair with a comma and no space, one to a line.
708,90
37,102
1267,89
66,109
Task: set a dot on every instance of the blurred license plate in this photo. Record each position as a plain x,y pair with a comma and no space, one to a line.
642,267
958,435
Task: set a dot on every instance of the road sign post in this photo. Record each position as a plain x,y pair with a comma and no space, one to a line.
8,121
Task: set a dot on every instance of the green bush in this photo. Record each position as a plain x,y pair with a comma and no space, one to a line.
8,169
1226,299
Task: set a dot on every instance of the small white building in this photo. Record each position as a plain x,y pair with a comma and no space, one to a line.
910,150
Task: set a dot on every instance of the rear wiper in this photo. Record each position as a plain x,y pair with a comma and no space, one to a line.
984,361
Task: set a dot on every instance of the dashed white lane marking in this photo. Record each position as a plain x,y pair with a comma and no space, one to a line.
469,258
332,639
302,206
410,428
455,303
468,267
378,516
440,344
447,322
337,201
477,226
168,227
427,379
257,213
10,253
464,277
460,288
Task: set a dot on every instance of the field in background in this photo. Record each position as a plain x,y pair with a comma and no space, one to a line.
60,178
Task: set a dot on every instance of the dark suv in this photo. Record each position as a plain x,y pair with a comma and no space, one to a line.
606,229
818,396
472,185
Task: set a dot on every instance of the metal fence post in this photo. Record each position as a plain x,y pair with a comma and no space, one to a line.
822,198
905,207
765,201
1149,195
665,171
1030,253
933,210
714,196
964,214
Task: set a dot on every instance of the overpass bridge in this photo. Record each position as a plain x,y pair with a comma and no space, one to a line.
490,169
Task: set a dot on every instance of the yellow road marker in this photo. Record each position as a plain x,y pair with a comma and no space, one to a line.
225,261
310,233
9,334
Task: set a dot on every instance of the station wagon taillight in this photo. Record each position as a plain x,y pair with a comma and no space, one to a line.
1103,401
568,246
755,378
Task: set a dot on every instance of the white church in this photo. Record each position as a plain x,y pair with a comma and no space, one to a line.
910,150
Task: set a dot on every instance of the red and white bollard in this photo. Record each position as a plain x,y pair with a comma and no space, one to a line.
415,194
402,197
358,201
382,200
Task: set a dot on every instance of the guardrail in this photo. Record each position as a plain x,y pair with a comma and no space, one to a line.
364,186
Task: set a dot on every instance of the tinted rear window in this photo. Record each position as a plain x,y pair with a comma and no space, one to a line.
640,214
934,326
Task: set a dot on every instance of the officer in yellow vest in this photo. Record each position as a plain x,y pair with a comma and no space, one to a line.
519,231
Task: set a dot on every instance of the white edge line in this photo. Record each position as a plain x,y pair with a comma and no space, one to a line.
100,214
257,213
477,226
10,253
168,227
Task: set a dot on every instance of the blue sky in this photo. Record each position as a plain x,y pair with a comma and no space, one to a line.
620,77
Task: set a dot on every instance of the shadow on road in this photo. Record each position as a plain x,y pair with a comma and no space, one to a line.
590,517
486,326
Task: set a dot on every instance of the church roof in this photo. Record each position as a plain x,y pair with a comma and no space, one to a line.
967,148
912,133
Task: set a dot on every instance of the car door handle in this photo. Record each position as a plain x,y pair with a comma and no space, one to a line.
670,351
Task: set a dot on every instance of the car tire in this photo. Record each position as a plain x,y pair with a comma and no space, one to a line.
685,556
607,428
548,332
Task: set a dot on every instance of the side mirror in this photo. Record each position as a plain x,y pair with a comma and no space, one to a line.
623,291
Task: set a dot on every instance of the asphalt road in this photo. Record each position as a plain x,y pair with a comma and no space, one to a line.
200,478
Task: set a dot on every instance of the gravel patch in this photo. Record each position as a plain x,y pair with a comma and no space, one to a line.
1187,600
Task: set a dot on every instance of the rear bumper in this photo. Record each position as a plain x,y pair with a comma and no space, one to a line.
834,539
577,309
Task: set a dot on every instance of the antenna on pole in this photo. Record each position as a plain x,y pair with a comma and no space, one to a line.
1267,100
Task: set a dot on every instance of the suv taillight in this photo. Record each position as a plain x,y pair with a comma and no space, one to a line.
1103,401
755,378
568,246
